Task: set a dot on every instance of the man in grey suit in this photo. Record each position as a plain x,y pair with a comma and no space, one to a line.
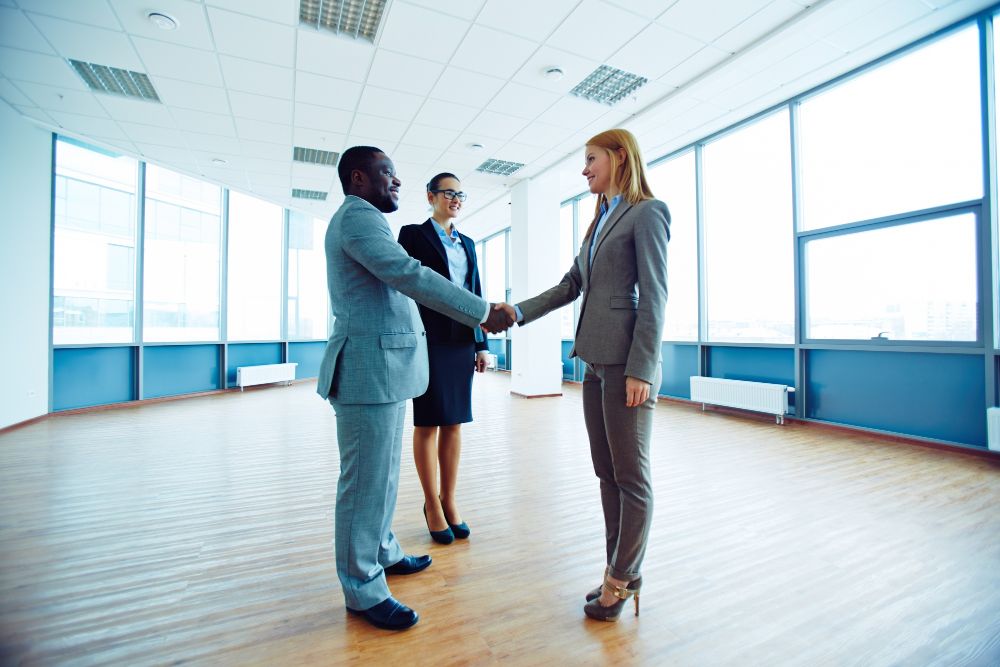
375,360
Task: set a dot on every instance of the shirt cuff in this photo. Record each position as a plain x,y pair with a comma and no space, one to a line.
487,313
520,315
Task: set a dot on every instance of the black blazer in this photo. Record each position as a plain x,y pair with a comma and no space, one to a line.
423,243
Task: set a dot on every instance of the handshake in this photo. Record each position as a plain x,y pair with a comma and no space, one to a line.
500,318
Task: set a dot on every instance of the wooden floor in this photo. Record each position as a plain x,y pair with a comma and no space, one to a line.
199,531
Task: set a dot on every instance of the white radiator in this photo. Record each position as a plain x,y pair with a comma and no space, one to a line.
756,396
993,428
248,375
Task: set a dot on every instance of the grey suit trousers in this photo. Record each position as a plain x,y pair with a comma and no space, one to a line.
370,439
619,446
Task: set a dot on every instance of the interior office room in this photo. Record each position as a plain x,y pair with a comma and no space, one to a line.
168,173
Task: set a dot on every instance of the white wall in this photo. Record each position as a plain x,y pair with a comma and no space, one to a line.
25,220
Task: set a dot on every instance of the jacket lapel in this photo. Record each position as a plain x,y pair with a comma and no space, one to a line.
430,231
616,215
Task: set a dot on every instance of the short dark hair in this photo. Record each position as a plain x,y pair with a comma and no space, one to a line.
436,181
355,157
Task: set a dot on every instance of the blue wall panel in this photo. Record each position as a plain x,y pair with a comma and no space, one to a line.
939,396
251,354
168,370
308,357
85,376
568,365
680,362
756,364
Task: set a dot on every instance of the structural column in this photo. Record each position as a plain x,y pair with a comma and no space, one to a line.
536,368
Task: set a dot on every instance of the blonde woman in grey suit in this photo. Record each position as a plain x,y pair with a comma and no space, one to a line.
621,273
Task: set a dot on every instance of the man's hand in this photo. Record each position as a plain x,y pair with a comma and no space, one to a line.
498,319
482,360
507,308
636,391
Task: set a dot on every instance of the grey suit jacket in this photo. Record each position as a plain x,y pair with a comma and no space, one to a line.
624,290
378,350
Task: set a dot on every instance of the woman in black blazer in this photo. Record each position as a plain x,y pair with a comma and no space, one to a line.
453,350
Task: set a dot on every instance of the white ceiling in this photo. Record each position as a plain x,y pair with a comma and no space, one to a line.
241,81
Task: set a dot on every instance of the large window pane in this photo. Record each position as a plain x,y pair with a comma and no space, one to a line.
902,137
94,265
182,249
567,254
907,282
254,284
748,234
494,276
673,181
307,290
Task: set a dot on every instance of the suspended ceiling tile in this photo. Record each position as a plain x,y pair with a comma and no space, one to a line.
214,143
208,123
397,71
192,28
654,52
89,44
463,9
877,23
138,111
166,155
322,118
439,113
92,13
12,95
260,165
188,95
579,32
322,139
62,99
421,154
314,172
326,92
89,125
708,21
252,38
542,134
389,103
573,112
517,99
496,125
36,114
386,130
261,107
697,65
465,87
280,12
179,62
575,69
254,77
419,30
492,52
258,130
648,9
39,68
763,24
151,134
18,32
322,52
429,137
264,151
509,16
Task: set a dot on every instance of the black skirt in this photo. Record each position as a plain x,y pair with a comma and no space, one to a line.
448,399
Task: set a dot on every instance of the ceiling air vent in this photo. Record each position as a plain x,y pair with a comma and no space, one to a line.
104,79
499,167
359,19
315,156
308,194
608,85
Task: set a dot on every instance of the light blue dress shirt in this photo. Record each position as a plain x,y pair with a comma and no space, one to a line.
454,249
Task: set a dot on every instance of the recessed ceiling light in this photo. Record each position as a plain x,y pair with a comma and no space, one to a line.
475,148
552,73
358,19
608,85
499,167
315,156
162,21
218,161
106,79
299,193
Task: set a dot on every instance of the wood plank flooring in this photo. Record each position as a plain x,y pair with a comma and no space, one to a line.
199,531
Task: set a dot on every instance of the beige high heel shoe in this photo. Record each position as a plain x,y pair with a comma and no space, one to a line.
594,608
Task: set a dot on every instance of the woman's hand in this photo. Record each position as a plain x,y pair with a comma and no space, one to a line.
482,360
636,391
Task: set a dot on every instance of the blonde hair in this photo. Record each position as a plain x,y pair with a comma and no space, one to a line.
628,176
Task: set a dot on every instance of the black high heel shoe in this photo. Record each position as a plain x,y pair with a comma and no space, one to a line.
594,609
440,536
460,530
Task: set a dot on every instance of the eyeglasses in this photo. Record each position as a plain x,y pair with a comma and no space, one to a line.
451,194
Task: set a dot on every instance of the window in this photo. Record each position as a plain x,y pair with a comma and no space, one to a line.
94,264
673,181
308,297
748,234
495,269
902,137
914,281
567,255
254,281
181,265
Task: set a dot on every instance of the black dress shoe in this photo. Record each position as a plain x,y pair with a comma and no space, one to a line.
389,614
409,565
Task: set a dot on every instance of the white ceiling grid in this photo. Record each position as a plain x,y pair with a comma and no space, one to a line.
242,81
